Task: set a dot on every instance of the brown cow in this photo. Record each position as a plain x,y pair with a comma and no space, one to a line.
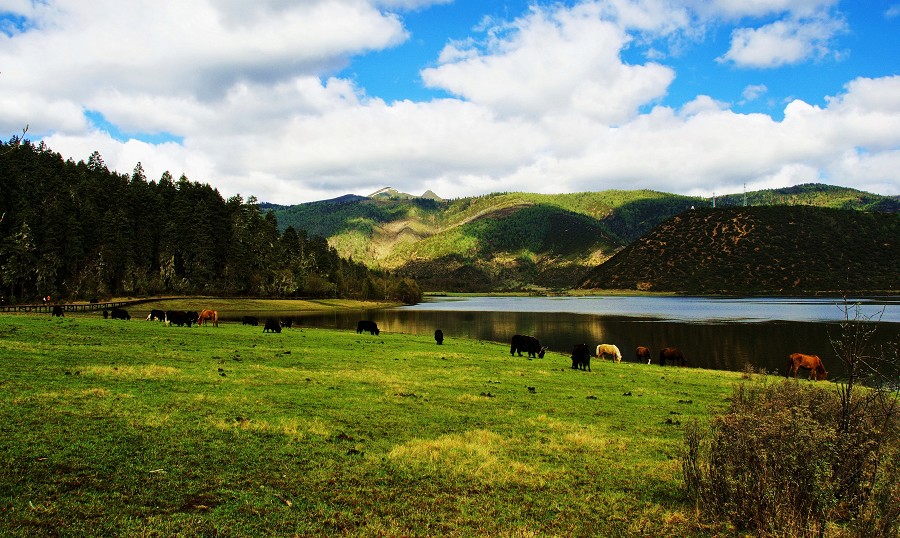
811,362
642,354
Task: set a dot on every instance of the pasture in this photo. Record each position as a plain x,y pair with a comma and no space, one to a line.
111,427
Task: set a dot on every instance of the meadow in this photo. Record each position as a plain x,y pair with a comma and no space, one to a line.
132,428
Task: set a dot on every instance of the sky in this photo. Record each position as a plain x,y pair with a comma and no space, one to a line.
293,101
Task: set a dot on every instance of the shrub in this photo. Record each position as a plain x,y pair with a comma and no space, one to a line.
780,462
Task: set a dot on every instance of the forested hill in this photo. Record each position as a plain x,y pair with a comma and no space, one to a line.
506,241
513,241
760,250
77,230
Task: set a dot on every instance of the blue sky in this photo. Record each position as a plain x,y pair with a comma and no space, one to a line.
300,101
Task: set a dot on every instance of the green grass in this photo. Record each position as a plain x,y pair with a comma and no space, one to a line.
132,428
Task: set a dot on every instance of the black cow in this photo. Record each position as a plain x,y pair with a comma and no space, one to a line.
119,313
94,301
439,336
180,317
366,325
581,357
272,326
287,323
250,320
528,344
57,311
673,355
156,315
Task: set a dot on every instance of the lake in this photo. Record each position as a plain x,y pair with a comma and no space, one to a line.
718,333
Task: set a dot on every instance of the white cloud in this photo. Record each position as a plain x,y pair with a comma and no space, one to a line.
545,102
782,42
754,92
552,61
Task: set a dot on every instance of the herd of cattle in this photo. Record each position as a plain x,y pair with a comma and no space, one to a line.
581,353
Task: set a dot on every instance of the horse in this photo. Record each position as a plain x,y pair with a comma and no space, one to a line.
208,315
609,349
642,354
811,362
673,355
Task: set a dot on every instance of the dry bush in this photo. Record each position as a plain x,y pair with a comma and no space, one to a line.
779,462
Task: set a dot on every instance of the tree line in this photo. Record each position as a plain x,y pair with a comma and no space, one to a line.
76,231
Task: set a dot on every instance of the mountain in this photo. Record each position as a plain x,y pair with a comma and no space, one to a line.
519,241
761,250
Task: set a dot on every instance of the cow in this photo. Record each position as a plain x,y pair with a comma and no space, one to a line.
810,362
119,313
251,320
609,349
581,357
673,355
57,311
528,344
366,325
272,326
180,318
439,337
642,354
287,323
157,315
174,317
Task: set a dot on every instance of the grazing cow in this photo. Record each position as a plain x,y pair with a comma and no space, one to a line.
208,315
581,357
156,315
673,355
811,362
57,311
180,318
609,349
119,313
287,323
250,320
528,344
439,336
642,354
272,326
366,325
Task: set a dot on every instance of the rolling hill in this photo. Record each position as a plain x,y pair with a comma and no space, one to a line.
519,241
761,250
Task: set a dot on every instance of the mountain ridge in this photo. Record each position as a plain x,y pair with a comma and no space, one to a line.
521,241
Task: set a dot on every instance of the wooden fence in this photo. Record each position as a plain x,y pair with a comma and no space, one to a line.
47,308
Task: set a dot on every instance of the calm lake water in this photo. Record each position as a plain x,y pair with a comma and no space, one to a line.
718,333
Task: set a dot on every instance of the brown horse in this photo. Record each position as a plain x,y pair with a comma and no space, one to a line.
673,355
642,354
208,315
811,362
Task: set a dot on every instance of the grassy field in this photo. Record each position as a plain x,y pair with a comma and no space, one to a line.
132,428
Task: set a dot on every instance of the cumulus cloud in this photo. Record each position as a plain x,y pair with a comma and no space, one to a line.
782,42
544,102
549,61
